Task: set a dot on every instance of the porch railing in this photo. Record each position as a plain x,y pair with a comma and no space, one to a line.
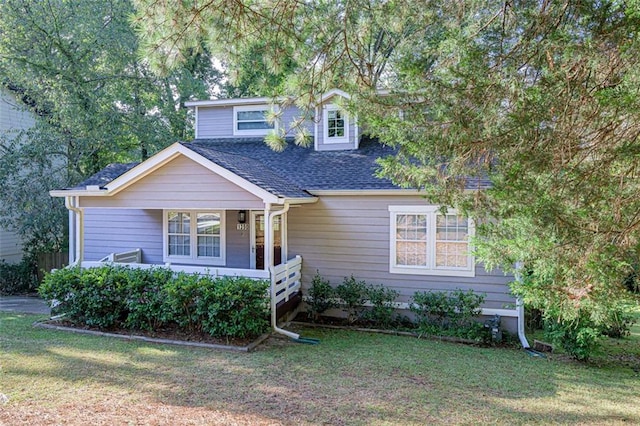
287,277
202,270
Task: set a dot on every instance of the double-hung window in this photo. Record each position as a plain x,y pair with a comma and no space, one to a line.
336,125
194,237
251,120
424,241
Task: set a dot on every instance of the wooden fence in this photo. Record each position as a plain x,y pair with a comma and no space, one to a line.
48,261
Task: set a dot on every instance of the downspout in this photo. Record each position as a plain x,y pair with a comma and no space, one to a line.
520,311
272,275
79,232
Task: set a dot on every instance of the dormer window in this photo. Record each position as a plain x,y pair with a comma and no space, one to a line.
336,128
251,120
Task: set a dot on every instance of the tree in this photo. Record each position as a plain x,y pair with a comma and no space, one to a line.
76,66
538,98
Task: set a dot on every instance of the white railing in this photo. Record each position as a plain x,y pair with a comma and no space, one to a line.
202,270
132,256
287,277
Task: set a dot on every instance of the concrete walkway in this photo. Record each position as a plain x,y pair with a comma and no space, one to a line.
24,305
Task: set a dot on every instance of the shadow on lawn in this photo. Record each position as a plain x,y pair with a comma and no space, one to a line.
349,378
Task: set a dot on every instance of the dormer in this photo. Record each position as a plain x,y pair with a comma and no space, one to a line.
334,128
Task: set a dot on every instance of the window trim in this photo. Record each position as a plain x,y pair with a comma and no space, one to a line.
431,212
251,132
325,125
193,259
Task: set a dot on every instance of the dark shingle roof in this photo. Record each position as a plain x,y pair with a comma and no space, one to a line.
303,167
106,175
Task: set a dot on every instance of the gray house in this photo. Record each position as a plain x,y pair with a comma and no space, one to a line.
226,204
13,119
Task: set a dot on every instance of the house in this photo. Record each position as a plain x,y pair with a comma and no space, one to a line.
13,119
226,204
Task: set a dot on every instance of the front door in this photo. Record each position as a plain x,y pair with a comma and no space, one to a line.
258,240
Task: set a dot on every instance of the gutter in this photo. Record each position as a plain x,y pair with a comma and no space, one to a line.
520,310
272,291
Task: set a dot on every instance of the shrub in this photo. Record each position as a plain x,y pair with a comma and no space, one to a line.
146,299
578,338
115,296
16,278
322,296
453,314
354,295
233,306
382,312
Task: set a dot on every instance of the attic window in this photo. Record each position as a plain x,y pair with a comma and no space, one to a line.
251,120
336,125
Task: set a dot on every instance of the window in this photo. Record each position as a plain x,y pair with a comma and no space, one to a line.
194,237
251,120
336,125
426,242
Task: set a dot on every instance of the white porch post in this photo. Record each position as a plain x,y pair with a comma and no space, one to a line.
283,244
268,237
72,204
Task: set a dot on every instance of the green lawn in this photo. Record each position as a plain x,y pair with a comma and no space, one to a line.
53,377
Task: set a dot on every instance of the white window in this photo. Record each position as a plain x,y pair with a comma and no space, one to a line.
426,242
336,125
251,120
194,237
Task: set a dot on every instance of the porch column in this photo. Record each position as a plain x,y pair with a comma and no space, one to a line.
268,237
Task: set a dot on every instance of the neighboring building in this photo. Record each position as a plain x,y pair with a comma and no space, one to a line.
13,119
201,206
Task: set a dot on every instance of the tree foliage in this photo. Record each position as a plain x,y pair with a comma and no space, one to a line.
76,66
539,99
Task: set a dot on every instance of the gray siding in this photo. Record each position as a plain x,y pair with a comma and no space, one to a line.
117,230
13,119
340,236
182,183
217,122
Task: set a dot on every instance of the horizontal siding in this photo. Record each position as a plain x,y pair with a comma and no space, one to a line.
10,247
13,117
112,231
217,122
181,183
341,236
116,230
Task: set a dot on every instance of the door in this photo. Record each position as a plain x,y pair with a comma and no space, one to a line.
258,223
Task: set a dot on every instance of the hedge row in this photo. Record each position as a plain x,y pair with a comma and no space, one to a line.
113,297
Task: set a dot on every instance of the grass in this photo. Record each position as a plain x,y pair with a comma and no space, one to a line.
53,377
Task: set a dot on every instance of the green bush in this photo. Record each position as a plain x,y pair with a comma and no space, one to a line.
322,296
579,338
451,314
233,306
382,313
115,296
354,295
18,278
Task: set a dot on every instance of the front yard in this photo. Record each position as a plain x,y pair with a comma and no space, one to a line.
349,378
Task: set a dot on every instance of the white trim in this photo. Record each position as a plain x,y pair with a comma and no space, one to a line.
77,193
325,125
252,132
203,270
193,258
362,192
431,269
333,92
230,102
197,130
317,114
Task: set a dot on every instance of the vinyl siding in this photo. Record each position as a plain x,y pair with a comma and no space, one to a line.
217,122
181,183
341,236
117,230
13,119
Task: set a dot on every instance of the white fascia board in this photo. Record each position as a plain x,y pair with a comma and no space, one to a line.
230,102
363,192
333,92
77,193
293,201
174,151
